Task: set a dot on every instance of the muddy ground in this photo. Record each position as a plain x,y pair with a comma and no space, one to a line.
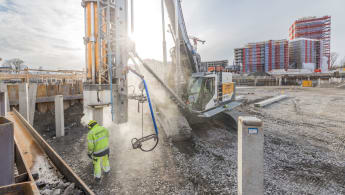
304,151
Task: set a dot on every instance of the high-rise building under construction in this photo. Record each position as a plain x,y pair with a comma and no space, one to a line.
263,56
317,28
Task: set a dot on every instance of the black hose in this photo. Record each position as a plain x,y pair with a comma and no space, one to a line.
137,143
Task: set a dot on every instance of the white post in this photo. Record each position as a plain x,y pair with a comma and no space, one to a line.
59,116
250,176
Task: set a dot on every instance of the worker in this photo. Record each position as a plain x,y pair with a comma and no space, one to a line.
98,148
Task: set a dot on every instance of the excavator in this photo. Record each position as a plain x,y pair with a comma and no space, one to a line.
195,92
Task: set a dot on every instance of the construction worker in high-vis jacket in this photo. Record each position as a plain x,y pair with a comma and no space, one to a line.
98,148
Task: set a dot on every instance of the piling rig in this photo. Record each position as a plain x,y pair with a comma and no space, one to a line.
106,53
108,49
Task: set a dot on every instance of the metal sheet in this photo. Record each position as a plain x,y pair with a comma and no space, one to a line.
7,152
41,147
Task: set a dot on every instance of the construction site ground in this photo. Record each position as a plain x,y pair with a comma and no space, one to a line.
304,148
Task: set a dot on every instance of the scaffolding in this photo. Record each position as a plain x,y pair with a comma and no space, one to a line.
263,56
305,51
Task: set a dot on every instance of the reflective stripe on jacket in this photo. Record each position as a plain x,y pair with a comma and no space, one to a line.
98,140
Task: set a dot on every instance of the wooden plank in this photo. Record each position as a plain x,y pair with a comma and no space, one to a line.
19,189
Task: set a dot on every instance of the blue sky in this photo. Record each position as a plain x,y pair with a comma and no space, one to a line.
49,33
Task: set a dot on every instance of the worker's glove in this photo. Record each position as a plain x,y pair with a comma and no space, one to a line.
89,155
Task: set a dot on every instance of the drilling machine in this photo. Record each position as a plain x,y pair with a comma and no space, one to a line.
108,49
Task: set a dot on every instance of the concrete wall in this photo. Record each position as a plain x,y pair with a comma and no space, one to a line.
47,91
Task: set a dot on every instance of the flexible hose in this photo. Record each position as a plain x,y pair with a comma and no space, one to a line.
137,143
151,109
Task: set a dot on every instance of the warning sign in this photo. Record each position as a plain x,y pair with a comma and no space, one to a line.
228,88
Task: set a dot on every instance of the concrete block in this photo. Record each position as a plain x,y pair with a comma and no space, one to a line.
59,116
270,101
7,152
250,176
24,100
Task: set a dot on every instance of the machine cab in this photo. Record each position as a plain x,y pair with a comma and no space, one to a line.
201,91
207,91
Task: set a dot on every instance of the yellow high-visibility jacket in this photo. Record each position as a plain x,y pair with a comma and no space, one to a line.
98,141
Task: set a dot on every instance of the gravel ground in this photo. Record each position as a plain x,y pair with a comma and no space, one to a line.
304,150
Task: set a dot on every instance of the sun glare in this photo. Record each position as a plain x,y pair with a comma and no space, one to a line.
148,29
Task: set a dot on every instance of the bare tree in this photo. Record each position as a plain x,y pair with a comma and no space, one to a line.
342,63
15,64
333,59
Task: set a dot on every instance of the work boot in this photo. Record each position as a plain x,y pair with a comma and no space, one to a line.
97,179
106,173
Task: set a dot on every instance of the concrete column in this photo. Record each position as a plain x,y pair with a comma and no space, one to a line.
27,101
24,100
280,81
97,113
319,82
59,116
255,82
250,176
7,152
285,81
32,102
4,102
